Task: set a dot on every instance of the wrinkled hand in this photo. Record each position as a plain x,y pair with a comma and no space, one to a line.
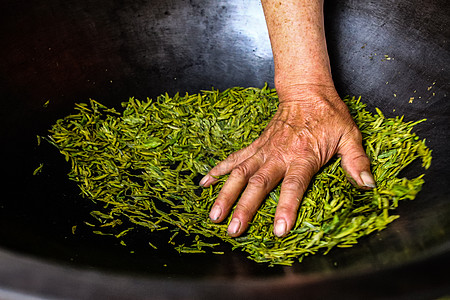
308,129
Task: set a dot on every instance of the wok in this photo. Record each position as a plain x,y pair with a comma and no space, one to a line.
69,51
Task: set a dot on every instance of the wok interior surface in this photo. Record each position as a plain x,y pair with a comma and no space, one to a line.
394,54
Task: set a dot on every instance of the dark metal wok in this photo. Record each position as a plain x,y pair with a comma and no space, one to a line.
70,51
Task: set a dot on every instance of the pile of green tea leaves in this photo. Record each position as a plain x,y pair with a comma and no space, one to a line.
141,167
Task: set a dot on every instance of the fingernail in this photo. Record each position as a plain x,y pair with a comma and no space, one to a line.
280,228
204,180
215,213
367,179
234,226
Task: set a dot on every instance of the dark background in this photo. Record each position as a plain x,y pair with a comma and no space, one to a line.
66,52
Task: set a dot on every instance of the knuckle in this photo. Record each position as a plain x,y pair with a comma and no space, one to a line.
307,166
259,180
296,183
218,169
362,156
355,135
224,198
354,153
287,211
293,183
241,170
243,210
232,158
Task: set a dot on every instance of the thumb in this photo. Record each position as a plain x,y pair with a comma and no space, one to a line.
356,164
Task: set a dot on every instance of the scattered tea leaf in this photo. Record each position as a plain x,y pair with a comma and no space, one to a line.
141,167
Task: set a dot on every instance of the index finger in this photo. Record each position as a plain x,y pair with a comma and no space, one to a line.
293,187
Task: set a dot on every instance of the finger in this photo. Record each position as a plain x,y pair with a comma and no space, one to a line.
294,185
259,185
356,164
226,166
233,187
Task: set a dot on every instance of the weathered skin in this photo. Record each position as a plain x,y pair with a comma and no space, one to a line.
312,125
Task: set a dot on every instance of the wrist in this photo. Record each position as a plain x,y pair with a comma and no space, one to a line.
289,82
311,99
304,91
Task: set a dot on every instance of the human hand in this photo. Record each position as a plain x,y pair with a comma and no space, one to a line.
308,129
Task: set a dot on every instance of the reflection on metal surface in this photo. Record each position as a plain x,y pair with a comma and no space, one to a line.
248,20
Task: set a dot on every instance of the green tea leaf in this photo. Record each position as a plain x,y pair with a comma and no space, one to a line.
141,167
